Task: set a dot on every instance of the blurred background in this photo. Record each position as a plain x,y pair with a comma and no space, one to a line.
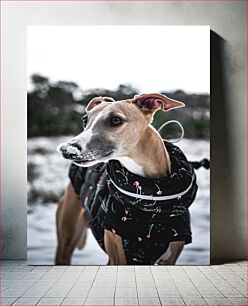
67,67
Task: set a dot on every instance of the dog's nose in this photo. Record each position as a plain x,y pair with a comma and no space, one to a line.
70,150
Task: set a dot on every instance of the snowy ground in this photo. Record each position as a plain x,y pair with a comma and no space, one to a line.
48,176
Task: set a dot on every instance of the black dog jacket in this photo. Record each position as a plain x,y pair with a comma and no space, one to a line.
147,213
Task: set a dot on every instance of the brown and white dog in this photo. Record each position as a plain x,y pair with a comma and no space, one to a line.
121,131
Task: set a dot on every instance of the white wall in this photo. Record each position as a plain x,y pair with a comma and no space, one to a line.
228,118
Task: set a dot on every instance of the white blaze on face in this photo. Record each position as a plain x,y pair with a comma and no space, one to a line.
84,138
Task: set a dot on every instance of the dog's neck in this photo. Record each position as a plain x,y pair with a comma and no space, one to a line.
150,157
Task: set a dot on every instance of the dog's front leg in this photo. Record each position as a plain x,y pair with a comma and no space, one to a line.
71,226
175,249
114,248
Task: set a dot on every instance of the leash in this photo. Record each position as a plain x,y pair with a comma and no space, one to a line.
205,163
180,126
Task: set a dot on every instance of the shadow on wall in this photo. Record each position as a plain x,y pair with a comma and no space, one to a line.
222,206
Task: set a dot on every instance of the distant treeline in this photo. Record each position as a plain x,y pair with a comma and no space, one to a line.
56,108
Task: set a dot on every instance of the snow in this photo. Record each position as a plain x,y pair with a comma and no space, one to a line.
69,148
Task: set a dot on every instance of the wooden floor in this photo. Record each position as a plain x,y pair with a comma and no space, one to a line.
140,285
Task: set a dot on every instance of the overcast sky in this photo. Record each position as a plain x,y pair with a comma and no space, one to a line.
152,58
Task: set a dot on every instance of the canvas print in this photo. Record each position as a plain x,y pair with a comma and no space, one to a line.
118,145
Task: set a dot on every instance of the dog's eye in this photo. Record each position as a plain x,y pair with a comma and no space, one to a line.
116,121
85,121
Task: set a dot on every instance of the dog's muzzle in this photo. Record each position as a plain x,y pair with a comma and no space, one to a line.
73,151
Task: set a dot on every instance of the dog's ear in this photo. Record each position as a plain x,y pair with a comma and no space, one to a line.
150,103
96,101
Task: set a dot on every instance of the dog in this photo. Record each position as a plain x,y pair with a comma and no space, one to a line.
137,224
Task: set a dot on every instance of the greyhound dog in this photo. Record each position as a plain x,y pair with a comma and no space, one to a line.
119,132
